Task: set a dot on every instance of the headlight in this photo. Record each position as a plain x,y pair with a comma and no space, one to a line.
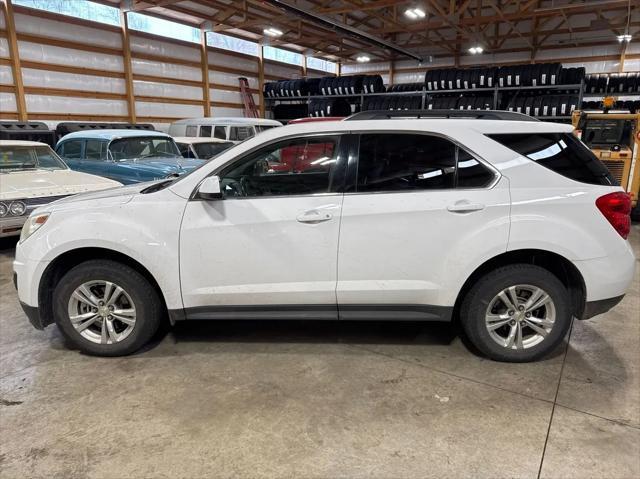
4,209
17,208
32,225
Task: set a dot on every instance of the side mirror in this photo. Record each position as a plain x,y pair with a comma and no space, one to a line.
210,189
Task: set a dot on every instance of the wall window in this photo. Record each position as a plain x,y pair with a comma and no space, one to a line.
233,44
161,27
397,162
301,166
320,64
285,56
80,9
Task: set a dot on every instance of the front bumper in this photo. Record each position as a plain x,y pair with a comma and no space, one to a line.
33,314
12,225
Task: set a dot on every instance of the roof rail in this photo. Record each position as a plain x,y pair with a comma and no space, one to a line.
411,114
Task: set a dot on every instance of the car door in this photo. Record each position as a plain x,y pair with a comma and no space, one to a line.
269,248
419,214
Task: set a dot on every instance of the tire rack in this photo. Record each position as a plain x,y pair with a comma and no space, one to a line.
358,98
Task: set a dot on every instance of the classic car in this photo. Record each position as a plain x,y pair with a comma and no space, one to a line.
201,148
128,156
32,175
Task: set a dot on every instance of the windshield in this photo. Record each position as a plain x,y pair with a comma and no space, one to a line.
143,147
17,158
207,151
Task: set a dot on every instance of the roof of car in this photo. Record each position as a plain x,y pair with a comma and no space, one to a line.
21,143
227,120
111,134
440,125
198,139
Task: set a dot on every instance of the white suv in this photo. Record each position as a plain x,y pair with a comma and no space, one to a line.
503,223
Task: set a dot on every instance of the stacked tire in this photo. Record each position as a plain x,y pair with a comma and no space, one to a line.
286,88
544,105
460,79
287,111
405,87
322,107
399,102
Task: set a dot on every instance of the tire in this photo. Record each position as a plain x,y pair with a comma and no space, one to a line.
482,296
147,307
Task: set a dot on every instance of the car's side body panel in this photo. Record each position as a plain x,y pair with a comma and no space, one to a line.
144,227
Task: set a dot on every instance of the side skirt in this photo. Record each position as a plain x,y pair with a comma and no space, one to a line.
350,312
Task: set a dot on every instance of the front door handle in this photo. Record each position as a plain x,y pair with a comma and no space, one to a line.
465,207
314,216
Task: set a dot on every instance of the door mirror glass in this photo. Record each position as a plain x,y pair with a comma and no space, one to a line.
210,188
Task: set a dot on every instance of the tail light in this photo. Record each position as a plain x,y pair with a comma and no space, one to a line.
616,208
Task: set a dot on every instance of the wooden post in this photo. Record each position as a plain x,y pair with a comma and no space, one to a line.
126,57
204,60
261,80
304,66
14,56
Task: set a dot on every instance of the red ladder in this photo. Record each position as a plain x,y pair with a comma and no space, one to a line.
250,110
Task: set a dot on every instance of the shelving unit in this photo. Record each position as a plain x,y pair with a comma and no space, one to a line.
359,98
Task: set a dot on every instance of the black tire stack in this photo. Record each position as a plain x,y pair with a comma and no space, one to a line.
545,105
397,102
460,79
322,107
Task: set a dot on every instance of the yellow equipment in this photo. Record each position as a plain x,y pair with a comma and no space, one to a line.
615,139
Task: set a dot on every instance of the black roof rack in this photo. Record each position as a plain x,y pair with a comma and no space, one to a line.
415,114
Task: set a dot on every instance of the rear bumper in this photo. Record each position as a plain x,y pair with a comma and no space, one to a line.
594,308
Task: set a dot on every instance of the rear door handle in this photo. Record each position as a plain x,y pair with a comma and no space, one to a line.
314,216
465,207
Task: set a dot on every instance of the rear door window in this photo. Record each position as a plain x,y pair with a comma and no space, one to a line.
560,152
191,130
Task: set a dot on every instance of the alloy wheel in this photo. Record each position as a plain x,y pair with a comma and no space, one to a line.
520,317
102,312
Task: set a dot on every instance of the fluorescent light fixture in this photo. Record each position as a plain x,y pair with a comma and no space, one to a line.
476,50
363,58
272,32
624,38
415,13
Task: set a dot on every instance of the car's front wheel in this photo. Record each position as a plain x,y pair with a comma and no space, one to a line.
106,308
516,313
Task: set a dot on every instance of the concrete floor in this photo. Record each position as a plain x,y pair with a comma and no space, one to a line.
319,400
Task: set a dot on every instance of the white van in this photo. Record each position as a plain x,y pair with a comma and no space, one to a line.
231,129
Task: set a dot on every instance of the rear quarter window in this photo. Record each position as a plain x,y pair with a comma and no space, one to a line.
561,152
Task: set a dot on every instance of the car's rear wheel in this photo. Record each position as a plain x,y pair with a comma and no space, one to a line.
106,308
516,313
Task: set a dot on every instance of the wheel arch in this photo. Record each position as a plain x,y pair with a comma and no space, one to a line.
57,268
555,263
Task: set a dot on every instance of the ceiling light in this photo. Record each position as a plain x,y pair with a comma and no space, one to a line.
476,50
624,38
272,32
415,13
363,58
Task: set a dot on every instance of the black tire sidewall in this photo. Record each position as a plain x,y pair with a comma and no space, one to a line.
146,301
477,301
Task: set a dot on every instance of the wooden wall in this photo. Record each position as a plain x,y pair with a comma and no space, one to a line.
59,68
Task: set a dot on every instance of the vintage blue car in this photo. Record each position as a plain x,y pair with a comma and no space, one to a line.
127,156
